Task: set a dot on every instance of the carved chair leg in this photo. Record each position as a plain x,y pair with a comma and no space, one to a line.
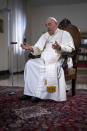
73,86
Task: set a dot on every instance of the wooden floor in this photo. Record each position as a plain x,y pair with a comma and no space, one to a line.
18,79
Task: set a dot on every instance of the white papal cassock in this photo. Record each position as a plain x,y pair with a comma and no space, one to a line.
44,76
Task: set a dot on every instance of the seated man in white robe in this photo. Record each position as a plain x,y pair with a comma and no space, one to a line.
44,76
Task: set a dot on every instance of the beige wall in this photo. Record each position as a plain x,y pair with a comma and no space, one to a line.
4,42
37,16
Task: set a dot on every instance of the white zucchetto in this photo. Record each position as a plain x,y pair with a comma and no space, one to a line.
53,19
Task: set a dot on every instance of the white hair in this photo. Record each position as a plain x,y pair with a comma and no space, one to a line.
52,19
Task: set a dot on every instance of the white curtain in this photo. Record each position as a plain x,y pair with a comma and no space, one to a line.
17,32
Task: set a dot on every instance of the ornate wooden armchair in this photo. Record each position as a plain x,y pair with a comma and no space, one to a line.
71,73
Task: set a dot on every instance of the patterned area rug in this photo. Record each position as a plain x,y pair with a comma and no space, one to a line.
46,115
32,112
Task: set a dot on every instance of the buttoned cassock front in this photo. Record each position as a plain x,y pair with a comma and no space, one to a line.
46,71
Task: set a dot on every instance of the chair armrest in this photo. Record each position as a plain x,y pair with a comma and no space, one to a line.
69,54
65,56
31,56
73,55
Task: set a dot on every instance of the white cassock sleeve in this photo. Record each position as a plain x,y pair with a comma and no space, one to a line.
67,42
39,46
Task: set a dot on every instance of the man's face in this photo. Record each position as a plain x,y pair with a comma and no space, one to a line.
51,26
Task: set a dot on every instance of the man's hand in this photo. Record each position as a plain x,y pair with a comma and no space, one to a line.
26,47
56,46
